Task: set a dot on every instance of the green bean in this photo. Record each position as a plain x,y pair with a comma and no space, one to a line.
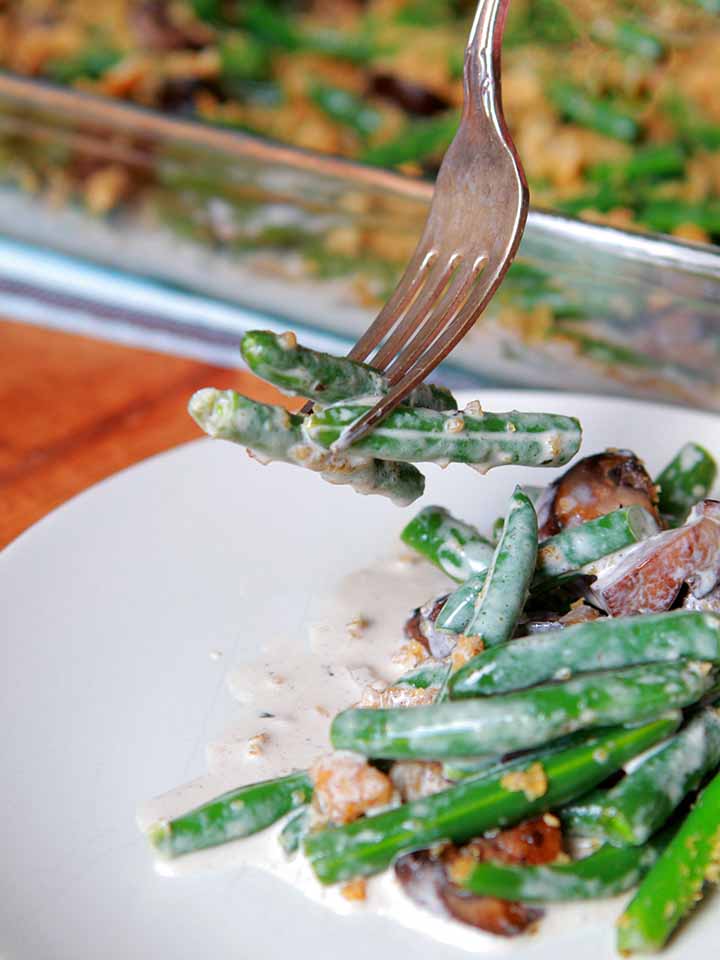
608,196
457,548
278,30
432,674
269,430
92,63
242,58
603,644
463,769
238,813
675,884
630,38
593,112
209,10
631,811
346,108
605,873
573,548
294,831
665,214
502,598
653,162
269,24
519,721
483,439
457,770
493,603
692,126
547,21
301,372
459,608
370,844
361,48
497,529
274,434
687,479
418,140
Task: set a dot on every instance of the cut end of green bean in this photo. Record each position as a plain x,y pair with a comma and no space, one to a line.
457,548
159,835
205,411
231,816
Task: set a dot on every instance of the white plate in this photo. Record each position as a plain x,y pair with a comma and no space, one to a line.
110,608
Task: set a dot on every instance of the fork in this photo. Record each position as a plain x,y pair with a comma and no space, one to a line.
470,237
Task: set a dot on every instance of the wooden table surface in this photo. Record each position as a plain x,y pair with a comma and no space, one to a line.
75,410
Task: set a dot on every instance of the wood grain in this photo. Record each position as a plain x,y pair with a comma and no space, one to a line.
76,410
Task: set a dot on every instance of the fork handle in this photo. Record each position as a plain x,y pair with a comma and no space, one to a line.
481,72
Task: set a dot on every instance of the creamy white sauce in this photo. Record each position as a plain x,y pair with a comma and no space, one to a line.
303,682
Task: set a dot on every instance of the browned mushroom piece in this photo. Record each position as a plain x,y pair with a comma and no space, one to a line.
504,918
424,876
649,578
424,880
420,626
593,487
528,844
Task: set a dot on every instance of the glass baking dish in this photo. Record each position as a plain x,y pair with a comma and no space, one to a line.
320,242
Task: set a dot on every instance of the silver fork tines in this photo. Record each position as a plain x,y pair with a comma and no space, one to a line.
471,235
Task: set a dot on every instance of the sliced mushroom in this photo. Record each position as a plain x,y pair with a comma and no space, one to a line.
504,918
424,880
593,487
424,876
648,578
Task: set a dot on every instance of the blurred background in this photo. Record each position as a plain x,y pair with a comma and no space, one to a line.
174,172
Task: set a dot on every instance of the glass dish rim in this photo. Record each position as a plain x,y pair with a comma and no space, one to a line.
89,107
